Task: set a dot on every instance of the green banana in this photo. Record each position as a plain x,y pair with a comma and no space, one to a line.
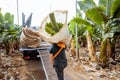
49,30
53,21
53,27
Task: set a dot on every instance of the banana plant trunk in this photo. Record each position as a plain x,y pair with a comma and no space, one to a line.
7,47
103,56
16,44
105,51
90,48
72,47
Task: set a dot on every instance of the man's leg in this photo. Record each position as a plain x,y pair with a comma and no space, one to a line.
60,75
60,71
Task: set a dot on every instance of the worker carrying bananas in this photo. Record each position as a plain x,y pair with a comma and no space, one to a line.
58,58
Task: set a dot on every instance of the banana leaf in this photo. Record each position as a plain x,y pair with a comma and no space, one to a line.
103,4
1,17
96,16
79,13
86,4
10,18
80,21
71,27
81,25
115,9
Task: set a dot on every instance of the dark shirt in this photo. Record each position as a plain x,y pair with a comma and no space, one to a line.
61,57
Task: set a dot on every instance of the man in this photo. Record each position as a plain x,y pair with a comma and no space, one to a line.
58,59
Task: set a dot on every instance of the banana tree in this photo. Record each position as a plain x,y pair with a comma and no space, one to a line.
83,25
9,31
102,19
104,16
85,28
107,26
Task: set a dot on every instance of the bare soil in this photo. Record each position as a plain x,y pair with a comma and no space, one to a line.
84,69
14,67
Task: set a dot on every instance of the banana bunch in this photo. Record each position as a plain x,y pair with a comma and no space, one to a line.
50,28
53,27
30,38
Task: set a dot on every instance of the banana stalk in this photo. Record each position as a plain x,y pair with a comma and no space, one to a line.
106,50
53,27
91,48
53,21
109,48
103,55
72,47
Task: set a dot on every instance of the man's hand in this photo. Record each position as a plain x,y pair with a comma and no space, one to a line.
51,59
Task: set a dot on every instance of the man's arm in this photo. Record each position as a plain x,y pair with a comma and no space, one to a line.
51,59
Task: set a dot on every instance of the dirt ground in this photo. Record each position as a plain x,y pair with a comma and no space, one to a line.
86,70
14,67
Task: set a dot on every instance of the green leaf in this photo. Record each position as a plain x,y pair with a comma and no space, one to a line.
116,14
80,21
102,3
115,9
79,13
86,4
105,36
81,24
89,28
71,27
96,16
106,3
10,18
81,29
1,17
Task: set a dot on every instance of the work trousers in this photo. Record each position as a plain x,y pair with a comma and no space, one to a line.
60,75
60,71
